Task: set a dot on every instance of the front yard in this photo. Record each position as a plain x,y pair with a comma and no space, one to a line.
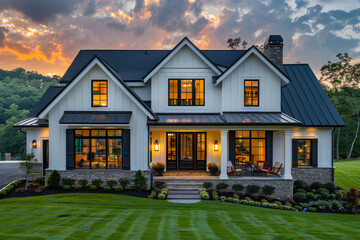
113,216
347,173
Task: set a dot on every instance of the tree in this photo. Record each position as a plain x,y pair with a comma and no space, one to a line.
236,42
341,80
28,165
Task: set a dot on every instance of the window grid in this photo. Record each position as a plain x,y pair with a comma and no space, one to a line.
99,93
250,147
186,92
251,93
304,152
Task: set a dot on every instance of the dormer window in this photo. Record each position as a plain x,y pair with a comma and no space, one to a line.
186,92
99,93
251,93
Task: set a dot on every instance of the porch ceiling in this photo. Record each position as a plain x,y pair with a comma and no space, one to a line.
228,118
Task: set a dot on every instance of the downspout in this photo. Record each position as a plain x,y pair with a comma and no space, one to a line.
148,160
332,156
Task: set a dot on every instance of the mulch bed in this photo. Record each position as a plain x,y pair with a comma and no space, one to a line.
31,191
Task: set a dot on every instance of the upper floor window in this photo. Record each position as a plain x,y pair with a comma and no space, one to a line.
251,93
186,92
99,93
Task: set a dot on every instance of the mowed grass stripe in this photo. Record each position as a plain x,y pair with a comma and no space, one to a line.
216,224
138,227
184,227
286,230
169,225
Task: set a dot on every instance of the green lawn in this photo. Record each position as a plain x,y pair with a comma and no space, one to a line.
347,173
112,216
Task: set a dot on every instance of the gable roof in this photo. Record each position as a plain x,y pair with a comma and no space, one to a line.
111,72
180,45
305,99
261,56
48,96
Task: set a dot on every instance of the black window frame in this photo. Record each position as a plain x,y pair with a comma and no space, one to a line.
92,92
250,144
311,152
106,137
178,100
258,104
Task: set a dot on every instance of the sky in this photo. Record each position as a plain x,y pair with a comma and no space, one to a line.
45,36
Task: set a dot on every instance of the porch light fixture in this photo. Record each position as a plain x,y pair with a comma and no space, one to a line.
34,144
156,145
216,145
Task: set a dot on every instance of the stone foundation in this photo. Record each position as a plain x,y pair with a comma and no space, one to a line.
103,174
37,173
310,175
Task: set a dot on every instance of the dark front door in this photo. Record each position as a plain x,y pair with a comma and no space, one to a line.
45,155
186,159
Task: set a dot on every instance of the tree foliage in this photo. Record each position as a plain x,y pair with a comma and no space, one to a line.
234,43
20,90
28,165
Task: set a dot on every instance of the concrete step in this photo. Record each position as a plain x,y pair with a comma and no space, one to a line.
192,186
183,196
180,192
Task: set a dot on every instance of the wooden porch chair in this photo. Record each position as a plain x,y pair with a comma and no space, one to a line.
232,170
261,168
276,169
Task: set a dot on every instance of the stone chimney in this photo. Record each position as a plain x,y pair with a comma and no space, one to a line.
273,49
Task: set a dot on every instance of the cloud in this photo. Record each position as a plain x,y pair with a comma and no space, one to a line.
301,3
139,4
3,30
90,9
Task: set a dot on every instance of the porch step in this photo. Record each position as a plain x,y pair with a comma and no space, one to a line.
184,185
183,195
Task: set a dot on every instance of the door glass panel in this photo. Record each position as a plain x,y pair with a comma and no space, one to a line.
82,150
200,148
186,151
171,151
242,151
115,153
98,151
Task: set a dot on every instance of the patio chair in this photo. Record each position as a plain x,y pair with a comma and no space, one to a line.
261,168
232,170
276,169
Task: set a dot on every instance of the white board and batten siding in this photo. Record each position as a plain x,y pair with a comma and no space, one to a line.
37,134
269,86
79,99
185,64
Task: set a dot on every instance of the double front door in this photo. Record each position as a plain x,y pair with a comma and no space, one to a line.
186,151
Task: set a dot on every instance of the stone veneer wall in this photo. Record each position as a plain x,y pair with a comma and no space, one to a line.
37,173
310,175
104,174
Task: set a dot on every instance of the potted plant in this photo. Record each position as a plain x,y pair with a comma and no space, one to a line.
158,168
213,168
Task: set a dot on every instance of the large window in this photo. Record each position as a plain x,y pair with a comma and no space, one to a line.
250,147
99,93
304,152
186,92
98,148
251,93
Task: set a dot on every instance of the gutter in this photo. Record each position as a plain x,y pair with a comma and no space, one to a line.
332,156
148,153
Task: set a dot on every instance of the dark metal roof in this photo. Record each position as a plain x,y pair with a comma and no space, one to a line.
230,118
305,99
132,65
50,93
95,117
32,122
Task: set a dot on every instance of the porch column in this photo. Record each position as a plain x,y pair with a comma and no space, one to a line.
287,154
224,154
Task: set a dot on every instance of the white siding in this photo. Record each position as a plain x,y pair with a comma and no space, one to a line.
38,134
79,99
143,92
269,84
184,65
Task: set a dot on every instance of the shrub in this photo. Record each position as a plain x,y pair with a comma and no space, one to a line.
288,204
264,201
320,190
301,190
223,198
159,184
40,180
310,195
161,196
96,182
335,205
352,197
248,199
215,195
252,189
78,187
236,196
278,203
119,188
19,190
68,181
325,194
54,180
124,182
237,187
66,187
312,209
300,184
93,187
153,193
221,186
340,193
83,182
111,183
40,189
140,183
268,190
107,188
316,185
158,168
299,196
204,195
298,207
2,194
330,187
165,190
207,185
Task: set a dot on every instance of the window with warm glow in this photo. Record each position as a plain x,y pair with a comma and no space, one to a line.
250,147
251,93
99,93
186,92
304,153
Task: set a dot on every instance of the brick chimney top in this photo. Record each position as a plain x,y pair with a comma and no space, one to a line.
273,49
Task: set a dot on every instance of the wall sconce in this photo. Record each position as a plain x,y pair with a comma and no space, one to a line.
216,145
156,145
34,144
